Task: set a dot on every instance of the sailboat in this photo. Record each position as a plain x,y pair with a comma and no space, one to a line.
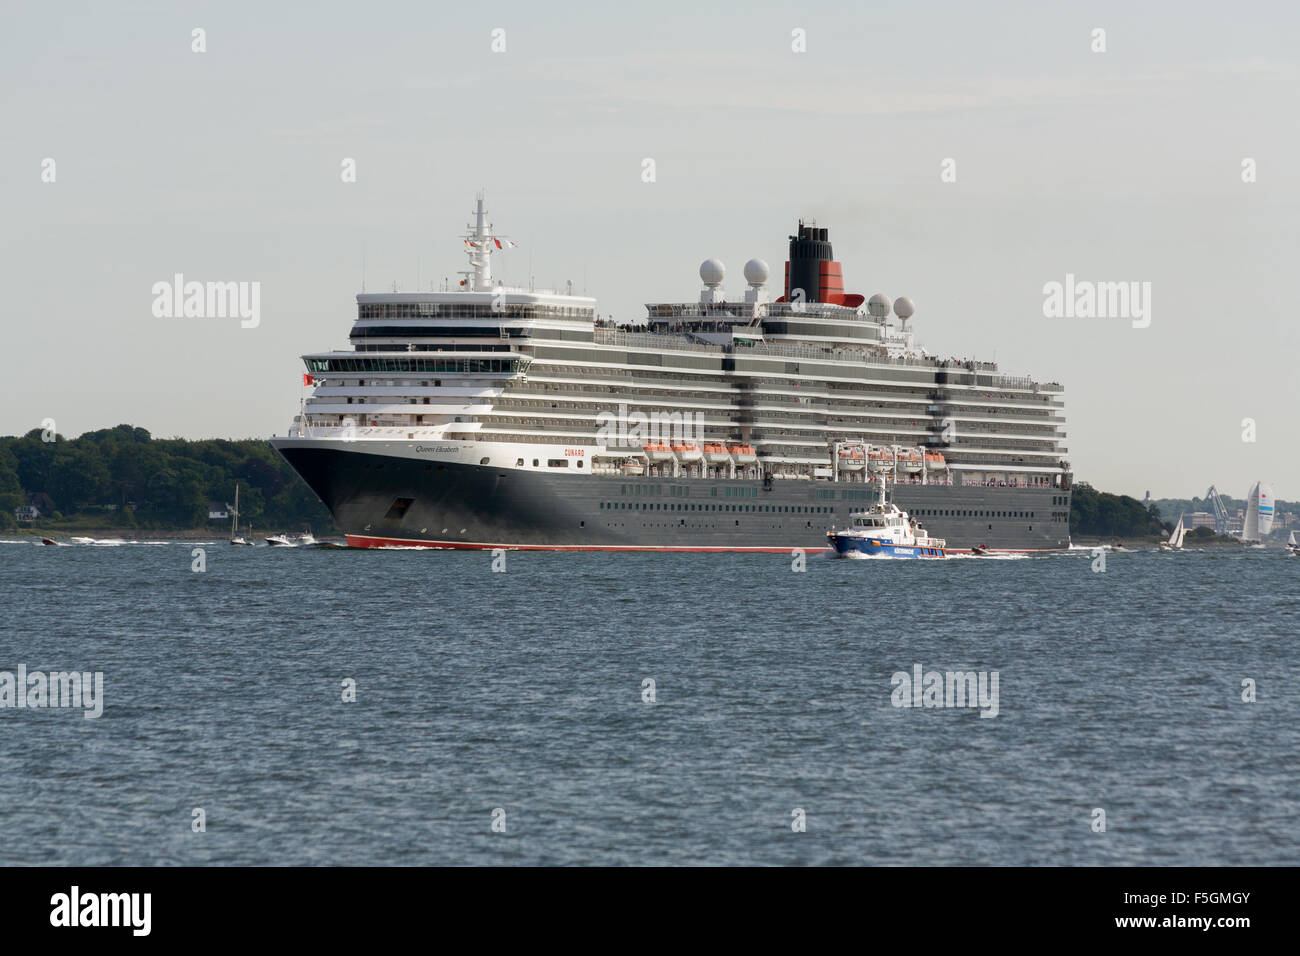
1259,515
1175,541
235,536
1291,545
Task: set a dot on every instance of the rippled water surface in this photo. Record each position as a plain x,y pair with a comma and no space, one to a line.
523,691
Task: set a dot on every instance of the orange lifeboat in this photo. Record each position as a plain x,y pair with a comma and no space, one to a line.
853,458
880,459
909,460
658,451
744,454
716,454
935,461
687,451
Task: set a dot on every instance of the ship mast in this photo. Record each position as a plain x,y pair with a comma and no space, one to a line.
479,247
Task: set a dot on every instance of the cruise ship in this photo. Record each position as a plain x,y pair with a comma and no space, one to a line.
486,416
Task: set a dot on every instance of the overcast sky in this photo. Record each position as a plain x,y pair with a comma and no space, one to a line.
1123,165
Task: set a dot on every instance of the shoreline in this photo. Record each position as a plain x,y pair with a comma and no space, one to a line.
153,534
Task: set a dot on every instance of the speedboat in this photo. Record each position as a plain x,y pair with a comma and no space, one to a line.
49,541
306,539
885,531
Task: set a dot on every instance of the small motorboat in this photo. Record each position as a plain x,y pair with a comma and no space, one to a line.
49,541
304,540
981,550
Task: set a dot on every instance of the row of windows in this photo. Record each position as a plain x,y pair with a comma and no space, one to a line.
410,310
439,347
467,331
959,513
684,506
496,366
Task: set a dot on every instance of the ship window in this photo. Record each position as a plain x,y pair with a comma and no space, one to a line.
534,462
579,462
557,462
483,461
519,463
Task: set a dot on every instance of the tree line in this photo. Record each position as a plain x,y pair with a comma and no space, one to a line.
125,478
1101,514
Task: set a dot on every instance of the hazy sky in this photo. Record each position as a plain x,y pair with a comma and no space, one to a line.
225,165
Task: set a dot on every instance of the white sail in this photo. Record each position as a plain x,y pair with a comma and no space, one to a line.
1265,510
1180,530
1259,513
1291,540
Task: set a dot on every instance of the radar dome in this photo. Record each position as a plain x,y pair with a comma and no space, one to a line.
756,271
903,307
878,305
712,272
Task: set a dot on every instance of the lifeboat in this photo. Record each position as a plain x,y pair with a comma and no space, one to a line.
935,461
716,454
909,460
744,454
632,466
880,459
658,452
853,458
688,452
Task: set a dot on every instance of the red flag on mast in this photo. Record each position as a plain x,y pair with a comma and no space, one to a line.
308,379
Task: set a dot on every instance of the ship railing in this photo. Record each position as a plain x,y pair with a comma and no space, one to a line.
650,340
1003,483
676,342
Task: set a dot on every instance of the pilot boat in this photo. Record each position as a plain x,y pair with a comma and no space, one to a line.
884,531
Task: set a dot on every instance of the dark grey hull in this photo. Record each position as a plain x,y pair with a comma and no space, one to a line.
393,501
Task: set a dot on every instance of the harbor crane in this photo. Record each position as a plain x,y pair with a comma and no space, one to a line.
1220,511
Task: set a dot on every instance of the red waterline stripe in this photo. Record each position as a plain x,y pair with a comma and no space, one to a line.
365,541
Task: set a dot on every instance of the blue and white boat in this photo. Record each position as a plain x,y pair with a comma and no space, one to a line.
886,532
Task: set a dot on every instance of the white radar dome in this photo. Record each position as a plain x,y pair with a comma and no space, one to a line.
903,307
878,305
756,271
712,272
